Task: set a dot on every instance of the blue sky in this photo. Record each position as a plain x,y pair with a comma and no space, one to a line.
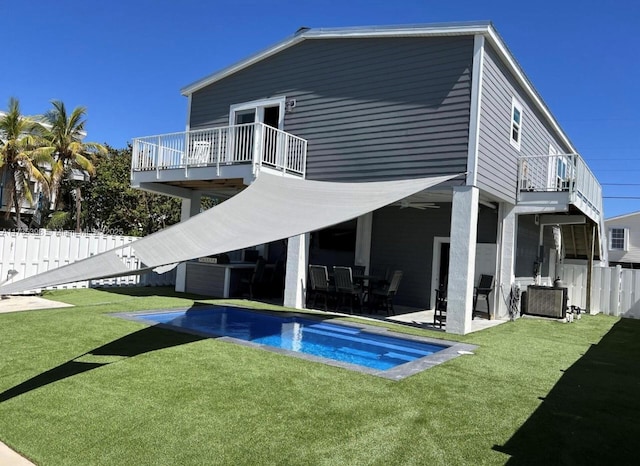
127,60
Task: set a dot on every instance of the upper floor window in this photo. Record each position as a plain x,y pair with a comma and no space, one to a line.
618,238
516,123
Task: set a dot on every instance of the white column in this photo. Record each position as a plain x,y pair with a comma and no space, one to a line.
295,281
464,232
363,240
189,208
506,259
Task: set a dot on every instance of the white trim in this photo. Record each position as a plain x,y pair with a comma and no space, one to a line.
622,216
625,239
259,105
188,113
438,241
516,105
476,105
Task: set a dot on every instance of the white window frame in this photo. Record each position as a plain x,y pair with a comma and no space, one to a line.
625,239
516,105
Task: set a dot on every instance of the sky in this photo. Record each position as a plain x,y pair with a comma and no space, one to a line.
126,61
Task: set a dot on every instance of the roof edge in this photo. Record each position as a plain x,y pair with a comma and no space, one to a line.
619,217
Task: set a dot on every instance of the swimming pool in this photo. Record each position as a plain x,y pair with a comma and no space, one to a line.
374,350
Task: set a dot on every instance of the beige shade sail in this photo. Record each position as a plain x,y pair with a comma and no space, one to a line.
274,207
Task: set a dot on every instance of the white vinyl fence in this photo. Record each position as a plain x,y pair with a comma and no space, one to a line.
33,252
614,291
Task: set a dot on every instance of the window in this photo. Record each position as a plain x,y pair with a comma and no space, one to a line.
618,239
516,123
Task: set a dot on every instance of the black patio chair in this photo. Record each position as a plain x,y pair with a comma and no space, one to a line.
253,285
484,288
440,311
384,296
346,290
318,285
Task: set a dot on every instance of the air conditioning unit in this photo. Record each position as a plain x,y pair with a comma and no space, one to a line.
547,301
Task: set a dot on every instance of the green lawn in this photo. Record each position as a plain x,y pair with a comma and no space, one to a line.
80,387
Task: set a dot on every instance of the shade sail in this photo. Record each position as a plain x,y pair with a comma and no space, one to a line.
272,208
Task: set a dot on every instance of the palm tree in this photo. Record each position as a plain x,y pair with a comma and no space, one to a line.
64,134
19,137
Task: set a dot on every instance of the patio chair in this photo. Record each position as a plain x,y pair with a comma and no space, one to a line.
440,311
346,290
484,288
318,285
253,284
199,153
384,296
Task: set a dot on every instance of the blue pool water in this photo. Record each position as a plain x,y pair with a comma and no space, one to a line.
328,340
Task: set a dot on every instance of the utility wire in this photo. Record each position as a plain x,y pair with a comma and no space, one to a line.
620,197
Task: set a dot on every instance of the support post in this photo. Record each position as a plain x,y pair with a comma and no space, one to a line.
506,250
295,282
464,232
189,208
363,240
590,268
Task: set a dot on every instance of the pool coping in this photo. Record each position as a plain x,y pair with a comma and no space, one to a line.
451,351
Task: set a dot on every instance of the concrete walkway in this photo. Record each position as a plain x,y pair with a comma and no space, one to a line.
27,303
8,457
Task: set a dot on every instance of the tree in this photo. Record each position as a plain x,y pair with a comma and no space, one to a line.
113,206
64,134
19,138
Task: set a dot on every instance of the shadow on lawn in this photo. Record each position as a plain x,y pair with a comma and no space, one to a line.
142,341
591,415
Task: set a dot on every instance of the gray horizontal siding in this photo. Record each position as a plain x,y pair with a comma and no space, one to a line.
497,158
369,108
410,248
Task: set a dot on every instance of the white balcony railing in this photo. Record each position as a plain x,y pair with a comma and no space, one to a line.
252,143
563,172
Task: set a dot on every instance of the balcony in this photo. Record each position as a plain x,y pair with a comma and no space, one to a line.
253,146
559,180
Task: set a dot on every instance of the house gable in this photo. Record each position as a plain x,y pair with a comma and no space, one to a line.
371,108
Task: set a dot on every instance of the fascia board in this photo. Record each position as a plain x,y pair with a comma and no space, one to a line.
620,217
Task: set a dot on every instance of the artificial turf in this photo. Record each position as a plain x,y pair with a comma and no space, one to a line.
81,387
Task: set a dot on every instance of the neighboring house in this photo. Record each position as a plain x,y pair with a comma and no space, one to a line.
386,103
623,235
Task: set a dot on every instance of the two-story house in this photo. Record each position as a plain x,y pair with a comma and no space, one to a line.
334,112
386,103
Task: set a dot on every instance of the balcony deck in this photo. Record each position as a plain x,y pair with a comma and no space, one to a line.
235,152
551,183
